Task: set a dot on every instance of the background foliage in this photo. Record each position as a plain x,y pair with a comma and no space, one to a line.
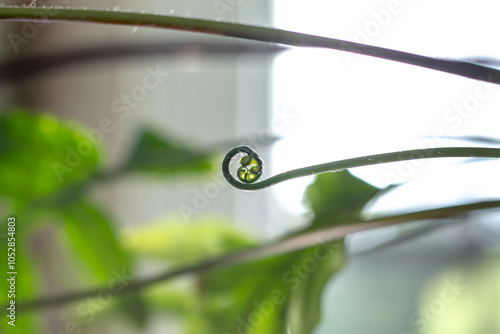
48,169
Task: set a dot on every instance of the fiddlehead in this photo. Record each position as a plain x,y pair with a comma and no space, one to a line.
251,165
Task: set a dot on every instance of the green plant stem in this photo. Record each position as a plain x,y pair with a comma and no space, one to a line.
440,152
263,34
297,242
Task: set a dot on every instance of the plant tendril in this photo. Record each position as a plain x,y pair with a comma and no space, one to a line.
251,165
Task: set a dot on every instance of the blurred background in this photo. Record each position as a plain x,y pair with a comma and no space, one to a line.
112,139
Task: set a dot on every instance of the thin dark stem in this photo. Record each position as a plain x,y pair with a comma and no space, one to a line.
263,34
295,243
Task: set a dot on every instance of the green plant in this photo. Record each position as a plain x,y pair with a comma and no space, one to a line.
225,260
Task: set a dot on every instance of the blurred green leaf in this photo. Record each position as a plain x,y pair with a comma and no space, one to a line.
175,296
337,198
304,306
27,284
135,307
469,297
40,154
257,297
92,237
238,299
272,295
269,295
173,240
154,154
30,279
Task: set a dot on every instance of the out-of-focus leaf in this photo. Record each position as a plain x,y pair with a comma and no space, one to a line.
92,236
135,308
26,286
40,155
173,240
29,279
175,296
468,299
270,290
268,295
239,299
303,310
338,198
154,154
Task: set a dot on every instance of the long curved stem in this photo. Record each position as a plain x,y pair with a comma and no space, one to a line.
263,34
286,245
335,166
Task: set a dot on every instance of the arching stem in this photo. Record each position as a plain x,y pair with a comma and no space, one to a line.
250,32
335,166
